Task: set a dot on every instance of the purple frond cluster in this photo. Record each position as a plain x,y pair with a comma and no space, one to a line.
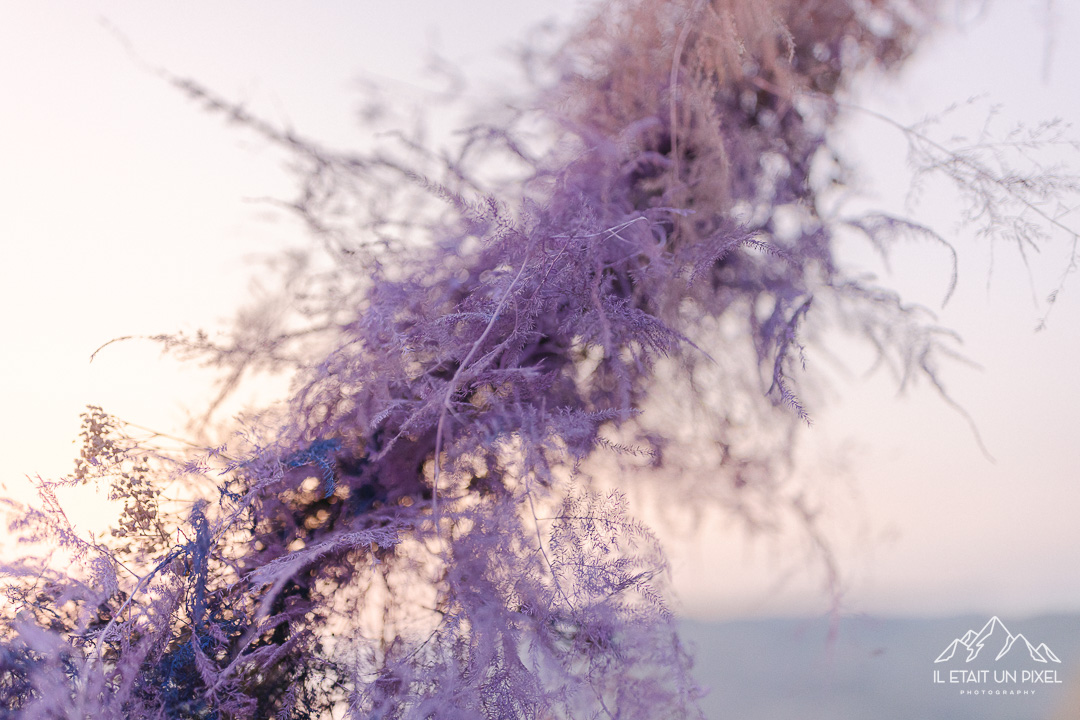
423,529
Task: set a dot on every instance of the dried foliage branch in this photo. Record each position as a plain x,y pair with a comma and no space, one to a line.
1010,191
422,530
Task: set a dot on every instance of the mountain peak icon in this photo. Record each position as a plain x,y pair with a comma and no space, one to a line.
1045,652
996,635
993,628
948,652
1035,654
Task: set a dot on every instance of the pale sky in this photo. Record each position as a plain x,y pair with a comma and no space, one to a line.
128,211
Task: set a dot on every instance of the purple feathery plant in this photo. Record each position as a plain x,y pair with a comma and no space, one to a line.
429,527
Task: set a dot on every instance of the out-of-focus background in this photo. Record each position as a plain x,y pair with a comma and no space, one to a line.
128,211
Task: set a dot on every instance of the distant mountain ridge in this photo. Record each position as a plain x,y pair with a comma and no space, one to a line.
995,630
